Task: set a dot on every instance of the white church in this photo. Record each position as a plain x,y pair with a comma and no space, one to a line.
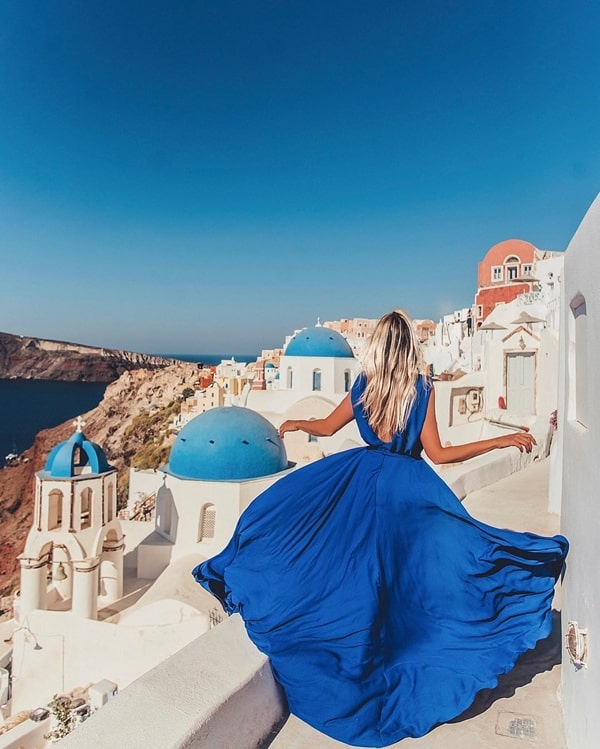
108,599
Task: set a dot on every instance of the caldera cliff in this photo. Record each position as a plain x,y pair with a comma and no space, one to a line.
26,357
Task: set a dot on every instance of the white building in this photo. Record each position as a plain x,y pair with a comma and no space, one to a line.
98,604
316,371
576,476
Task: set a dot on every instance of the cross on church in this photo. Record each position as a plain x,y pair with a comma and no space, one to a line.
79,423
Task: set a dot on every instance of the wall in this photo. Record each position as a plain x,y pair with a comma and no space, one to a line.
581,477
217,693
74,652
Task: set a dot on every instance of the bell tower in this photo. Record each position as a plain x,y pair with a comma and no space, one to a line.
73,556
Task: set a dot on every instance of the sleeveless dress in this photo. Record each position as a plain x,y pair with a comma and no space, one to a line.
384,607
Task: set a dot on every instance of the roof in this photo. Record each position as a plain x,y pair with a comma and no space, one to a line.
229,443
70,457
319,341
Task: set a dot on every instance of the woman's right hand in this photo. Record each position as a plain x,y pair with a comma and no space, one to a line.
288,426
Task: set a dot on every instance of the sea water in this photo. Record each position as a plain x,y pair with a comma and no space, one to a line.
27,406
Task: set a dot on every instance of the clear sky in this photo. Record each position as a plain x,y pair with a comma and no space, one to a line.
206,176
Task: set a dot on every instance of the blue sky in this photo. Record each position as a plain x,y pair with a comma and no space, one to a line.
208,176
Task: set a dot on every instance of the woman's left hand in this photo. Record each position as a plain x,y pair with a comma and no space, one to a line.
523,440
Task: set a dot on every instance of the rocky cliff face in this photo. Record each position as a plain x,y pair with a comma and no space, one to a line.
39,359
131,418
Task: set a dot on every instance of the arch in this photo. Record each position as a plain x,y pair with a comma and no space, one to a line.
578,358
166,514
512,259
109,498
55,509
289,378
110,575
86,498
316,380
208,518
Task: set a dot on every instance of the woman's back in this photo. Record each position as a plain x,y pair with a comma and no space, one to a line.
405,442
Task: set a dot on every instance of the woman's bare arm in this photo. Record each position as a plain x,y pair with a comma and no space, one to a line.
339,417
430,439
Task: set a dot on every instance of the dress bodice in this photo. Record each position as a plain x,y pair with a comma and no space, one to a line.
406,442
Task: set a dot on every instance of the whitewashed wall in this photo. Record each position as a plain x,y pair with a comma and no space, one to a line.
579,425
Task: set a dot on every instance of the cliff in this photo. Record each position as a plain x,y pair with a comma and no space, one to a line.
130,424
39,359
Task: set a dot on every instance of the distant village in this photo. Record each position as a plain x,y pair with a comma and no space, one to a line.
107,594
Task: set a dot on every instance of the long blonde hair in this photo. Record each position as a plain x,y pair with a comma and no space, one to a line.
392,364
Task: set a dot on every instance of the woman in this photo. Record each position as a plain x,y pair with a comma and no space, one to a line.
383,605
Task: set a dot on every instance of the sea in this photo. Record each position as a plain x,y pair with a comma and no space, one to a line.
27,406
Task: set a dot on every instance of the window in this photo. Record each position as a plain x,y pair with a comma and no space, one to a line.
290,378
528,270
316,379
347,382
512,272
312,438
207,523
497,273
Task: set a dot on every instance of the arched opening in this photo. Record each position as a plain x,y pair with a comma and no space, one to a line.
55,509
110,578
109,503
86,508
512,264
208,518
289,378
579,358
164,511
316,380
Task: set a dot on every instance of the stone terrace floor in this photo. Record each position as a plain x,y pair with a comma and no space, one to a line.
526,699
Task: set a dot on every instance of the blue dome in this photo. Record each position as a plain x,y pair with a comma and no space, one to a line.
68,458
229,443
319,341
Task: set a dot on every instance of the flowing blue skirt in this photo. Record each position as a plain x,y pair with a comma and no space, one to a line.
383,606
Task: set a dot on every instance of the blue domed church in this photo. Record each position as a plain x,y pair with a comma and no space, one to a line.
73,555
316,371
220,461
317,360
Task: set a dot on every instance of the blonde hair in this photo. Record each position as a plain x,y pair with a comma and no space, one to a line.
392,364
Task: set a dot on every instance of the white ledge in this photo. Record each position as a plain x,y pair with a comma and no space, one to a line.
217,692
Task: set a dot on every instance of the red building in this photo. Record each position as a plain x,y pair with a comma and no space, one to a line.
504,273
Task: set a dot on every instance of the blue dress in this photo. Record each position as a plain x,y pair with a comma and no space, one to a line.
383,606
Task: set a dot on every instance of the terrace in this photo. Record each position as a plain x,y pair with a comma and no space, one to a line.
219,693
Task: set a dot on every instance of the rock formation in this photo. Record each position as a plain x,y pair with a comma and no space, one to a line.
39,359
